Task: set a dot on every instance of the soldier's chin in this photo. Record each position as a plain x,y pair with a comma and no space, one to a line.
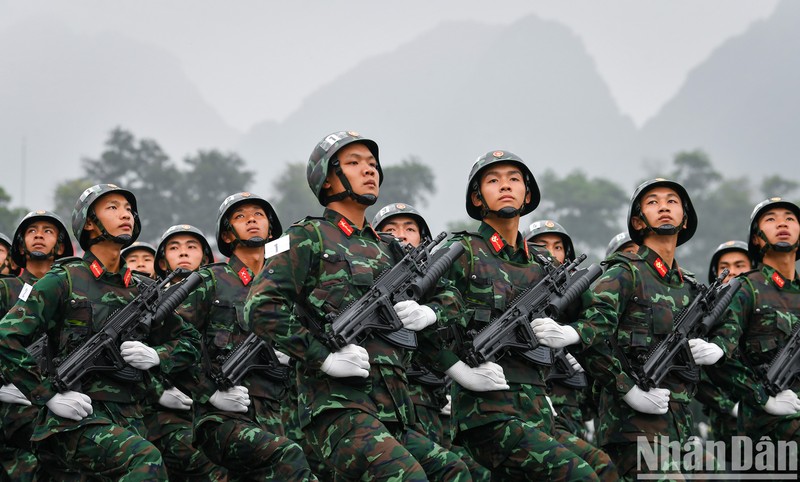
667,229
254,242
783,247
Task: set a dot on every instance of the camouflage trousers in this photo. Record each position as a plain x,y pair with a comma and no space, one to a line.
631,464
358,446
436,427
16,453
111,449
755,423
171,432
567,419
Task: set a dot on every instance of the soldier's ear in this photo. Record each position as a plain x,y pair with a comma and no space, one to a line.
88,225
476,200
637,223
162,263
228,236
60,250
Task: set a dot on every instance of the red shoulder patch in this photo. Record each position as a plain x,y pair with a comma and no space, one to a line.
497,242
345,227
659,265
244,275
127,278
97,270
778,280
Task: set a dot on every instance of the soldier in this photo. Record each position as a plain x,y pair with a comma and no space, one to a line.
573,404
428,388
238,428
355,409
630,308
767,312
39,240
500,410
97,428
622,242
140,256
169,417
5,259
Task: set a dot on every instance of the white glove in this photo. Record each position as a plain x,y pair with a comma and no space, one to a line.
138,355
447,410
237,399
11,394
549,333
350,361
283,358
572,361
654,401
485,377
735,410
415,316
72,405
705,353
784,403
176,399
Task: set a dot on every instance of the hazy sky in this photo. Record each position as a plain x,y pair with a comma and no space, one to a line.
256,60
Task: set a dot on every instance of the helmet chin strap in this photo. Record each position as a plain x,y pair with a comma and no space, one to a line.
779,247
254,242
365,199
122,239
664,229
503,213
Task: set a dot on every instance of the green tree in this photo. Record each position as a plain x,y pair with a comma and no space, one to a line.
694,170
9,217
778,186
411,182
67,193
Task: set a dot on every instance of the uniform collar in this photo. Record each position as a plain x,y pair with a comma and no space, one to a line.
27,277
242,271
777,279
499,245
98,270
658,266
346,226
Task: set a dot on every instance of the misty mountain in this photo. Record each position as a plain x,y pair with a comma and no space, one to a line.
741,105
63,92
455,93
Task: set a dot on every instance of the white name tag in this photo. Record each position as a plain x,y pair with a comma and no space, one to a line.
278,246
26,291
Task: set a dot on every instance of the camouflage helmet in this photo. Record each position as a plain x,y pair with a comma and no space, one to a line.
136,246
18,243
495,157
547,226
618,242
223,222
160,252
398,209
83,211
635,209
324,155
756,253
723,248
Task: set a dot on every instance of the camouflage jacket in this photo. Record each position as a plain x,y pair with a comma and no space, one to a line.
71,303
11,287
766,310
330,264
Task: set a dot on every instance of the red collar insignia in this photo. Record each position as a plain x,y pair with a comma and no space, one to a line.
97,270
244,275
345,227
525,246
497,242
127,278
658,264
778,280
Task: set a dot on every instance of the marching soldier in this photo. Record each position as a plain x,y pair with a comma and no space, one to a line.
7,266
140,257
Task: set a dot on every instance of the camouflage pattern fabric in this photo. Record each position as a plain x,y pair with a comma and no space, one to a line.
330,264
510,432
766,310
717,405
69,303
569,404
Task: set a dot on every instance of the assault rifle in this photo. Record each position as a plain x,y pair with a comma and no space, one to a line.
693,321
250,355
785,366
563,372
550,297
131,322
409,279
37,351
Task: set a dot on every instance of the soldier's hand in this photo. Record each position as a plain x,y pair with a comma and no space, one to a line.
448,408
549,333
705,353
283,358
350,361
784,403
237,399
138,355
414,316
485,377
654,401
574,363
175,399
72,405
11,394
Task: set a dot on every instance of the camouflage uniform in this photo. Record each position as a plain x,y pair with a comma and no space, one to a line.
511,432
69,303
767,309
250,445
360,427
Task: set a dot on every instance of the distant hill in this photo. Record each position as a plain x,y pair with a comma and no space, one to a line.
63,92
742,105
457,92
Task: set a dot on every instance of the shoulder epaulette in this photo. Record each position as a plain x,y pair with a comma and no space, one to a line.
67,260
307,219
217,264
462,234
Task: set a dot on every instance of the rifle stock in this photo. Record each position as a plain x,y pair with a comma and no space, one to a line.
785,367
253,354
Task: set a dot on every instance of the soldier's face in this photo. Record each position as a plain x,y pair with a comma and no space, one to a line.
404,228
629,247
737,263
140,260
182,251
554,244
661,206
249,221
359,166
780,225
3,257
42,236
502,185
115,213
